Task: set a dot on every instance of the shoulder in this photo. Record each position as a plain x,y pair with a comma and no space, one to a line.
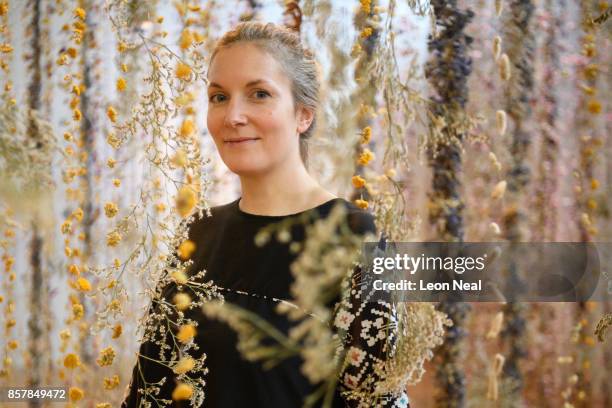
359,221
208,219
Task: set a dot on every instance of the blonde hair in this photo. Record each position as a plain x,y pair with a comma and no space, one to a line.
297,62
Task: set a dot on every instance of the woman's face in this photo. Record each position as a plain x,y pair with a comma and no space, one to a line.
251,114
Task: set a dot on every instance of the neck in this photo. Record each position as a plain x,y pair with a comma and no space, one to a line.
287,189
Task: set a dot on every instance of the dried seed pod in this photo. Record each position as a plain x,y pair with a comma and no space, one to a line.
501,121
497,43
504,67
499,7
494,228
494,161
496,325
499,190
494,373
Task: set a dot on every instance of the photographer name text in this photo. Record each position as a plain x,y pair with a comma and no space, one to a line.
407,285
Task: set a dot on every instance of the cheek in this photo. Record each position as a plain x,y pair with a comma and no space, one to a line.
213,122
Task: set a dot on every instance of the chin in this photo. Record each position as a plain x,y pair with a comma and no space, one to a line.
245,167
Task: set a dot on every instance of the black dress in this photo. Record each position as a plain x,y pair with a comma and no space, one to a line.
252,277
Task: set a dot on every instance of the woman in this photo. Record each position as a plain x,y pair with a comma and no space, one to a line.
263,95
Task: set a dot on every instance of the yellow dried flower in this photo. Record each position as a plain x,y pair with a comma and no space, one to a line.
366,157
186,39
186,200
79,27
75,393
594,184
13,344
356,50
106,357
121,84
80,13
78,214
6,48
186,333
184,365
84,284
363,204
117,330
114,305
110,209
184,99
121,47
179,277
365,6
76,115
116,182
65,334
366,135
198,38
111,382
74,102
185,250
72,361
112,114
591,204
111,163
358,181
124,67
366,32
187,128
113,239
66,227
182,301
103,405
590,71
182,392
183,72
594,106
180,158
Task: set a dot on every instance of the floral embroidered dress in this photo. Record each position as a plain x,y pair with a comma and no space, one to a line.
256,278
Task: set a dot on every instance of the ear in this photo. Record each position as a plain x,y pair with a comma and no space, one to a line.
305,116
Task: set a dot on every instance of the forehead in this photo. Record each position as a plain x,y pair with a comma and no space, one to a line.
242,63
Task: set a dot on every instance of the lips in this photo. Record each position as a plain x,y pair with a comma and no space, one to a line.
241,139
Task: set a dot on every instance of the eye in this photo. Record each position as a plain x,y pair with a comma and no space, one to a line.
261,94
216,98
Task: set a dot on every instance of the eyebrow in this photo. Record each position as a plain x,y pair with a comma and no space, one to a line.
250,83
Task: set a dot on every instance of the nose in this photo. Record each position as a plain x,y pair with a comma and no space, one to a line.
235,115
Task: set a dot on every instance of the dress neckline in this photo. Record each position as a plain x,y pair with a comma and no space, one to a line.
325,205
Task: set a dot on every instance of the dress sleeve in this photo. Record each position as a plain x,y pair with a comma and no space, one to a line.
148,374
369,324
152,379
